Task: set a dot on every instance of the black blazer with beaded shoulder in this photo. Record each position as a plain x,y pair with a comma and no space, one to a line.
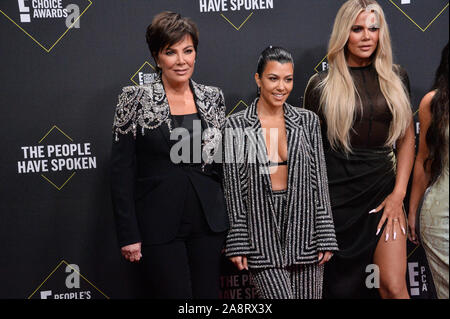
147,188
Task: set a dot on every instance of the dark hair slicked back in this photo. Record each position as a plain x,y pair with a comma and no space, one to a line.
271,53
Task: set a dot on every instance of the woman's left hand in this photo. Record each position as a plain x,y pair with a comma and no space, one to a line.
393,213
325,256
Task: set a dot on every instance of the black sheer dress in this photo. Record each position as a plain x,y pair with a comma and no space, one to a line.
358,182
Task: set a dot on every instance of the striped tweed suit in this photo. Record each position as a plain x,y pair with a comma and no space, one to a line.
256,230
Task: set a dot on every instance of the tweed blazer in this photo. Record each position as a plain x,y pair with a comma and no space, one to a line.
147,188
248,192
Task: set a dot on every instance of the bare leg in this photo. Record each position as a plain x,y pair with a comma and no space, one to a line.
391,258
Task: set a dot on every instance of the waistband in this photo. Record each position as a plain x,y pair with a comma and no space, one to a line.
378,153
282,192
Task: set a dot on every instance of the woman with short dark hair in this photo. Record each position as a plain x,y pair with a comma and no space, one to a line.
165,182
168,28
276,188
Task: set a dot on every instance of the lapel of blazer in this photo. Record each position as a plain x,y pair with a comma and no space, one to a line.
205,98
157,109
256,139
294,129
211,109
199,99
163,103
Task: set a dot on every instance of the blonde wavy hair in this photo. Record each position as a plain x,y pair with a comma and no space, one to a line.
339,92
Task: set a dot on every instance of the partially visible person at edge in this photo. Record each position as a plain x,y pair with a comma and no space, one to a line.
430,180
169,209
364,107
281,228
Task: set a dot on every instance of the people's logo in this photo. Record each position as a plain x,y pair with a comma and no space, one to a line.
241,105
322,65
66,282
46,9
56,157
234,5
420,14
46,22
418,279
235,12
144,75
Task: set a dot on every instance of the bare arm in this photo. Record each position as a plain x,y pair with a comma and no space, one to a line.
421,177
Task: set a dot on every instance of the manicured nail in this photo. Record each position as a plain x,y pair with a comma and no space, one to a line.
373,211
403,230
395,235
387,237
378,231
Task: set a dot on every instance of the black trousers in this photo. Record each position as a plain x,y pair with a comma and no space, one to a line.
189,266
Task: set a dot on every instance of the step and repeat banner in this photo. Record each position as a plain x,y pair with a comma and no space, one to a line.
63,64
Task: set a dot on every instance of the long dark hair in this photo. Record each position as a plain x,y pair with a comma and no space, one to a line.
436,137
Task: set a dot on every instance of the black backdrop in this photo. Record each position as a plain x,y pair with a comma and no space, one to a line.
60,76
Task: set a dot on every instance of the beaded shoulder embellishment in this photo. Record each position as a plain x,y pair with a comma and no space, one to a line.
147,107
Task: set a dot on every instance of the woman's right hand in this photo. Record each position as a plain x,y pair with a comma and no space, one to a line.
240,262
412,236
132,252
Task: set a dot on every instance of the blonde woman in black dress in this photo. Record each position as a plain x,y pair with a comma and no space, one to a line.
364,106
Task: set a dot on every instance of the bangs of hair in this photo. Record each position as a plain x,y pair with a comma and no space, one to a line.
168,28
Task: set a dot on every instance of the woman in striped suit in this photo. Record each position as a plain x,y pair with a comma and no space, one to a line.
276,188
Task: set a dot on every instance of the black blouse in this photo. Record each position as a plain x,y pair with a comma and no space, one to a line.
372,118
192,124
